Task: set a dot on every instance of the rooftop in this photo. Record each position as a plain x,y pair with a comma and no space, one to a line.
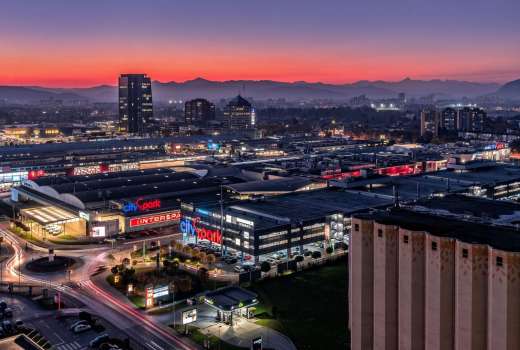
230,298
498,237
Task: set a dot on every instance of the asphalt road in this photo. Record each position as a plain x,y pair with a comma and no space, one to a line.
143,332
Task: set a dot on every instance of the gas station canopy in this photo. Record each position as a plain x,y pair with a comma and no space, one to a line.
231,298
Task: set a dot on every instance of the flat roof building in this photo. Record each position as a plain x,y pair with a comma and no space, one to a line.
440,274
283,223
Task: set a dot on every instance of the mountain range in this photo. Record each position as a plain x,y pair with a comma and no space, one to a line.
267,89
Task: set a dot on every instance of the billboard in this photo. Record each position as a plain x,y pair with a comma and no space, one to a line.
189,316
153,293
98,231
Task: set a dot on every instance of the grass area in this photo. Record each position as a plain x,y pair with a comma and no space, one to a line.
214,343
25,235
137,300
310,307
168,309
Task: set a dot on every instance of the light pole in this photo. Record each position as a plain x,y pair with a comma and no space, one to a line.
19,271
219,339
173,308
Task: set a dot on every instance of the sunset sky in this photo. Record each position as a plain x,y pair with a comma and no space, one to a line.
83,43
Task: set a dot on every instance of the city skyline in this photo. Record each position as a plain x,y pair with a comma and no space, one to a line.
472,41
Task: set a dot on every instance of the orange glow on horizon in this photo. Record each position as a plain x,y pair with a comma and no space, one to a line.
92,63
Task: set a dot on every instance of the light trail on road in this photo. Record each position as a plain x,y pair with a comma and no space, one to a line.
85,297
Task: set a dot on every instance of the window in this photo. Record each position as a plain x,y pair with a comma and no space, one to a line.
434,245
500,261
379,232
405,239
356,227
465,253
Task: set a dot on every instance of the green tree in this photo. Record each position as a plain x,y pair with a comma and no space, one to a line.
265,266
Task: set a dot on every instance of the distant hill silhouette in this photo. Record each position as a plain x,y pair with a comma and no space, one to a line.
510,90
267,89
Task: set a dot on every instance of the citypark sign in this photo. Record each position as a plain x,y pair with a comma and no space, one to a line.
192,227
141,205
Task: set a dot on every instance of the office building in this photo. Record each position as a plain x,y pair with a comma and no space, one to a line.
135,103
471,119
198,111
449,117
429,122
440,275
239,114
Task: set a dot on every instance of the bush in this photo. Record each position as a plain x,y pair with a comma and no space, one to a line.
265,267
316,255
203,274
329,250
211,259
298,258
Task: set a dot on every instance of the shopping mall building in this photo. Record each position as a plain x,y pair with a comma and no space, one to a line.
107,204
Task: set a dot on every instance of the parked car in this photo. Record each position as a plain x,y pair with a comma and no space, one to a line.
248,267
230,260
238,269
97,341
18,323
77,323
7,326
81,328
3,305
8,312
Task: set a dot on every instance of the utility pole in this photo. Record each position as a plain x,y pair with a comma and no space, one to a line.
19,271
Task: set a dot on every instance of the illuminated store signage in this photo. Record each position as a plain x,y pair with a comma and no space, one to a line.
141,205
189,316
35,174
170,216
88,170
153,293
192,227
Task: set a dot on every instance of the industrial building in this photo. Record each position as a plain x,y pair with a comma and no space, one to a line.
440,274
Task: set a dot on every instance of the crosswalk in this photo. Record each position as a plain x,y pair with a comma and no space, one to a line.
69,346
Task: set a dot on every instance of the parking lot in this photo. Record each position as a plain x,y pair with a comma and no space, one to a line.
234,262
29,317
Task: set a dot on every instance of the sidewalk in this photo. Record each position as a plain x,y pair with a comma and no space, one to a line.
244,331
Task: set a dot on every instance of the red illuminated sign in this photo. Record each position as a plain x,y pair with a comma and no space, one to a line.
88,170
170,216
192,227
211,235
35,174
144,205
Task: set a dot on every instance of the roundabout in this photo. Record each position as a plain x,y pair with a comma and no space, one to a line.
59,263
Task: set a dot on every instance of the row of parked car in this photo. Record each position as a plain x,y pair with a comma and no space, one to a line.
8,326
102,341
206,247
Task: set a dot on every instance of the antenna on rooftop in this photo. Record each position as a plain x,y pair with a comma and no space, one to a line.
396,196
